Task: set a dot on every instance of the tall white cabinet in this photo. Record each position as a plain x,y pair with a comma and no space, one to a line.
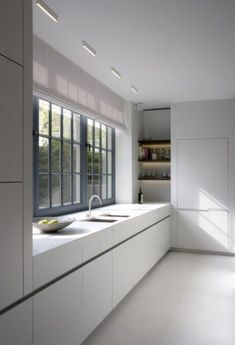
11,29
11,114
203,174
203,194
15,170
203,166
11,244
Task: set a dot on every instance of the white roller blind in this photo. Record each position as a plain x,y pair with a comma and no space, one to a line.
56,76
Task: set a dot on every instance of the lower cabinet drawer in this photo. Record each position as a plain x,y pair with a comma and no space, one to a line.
16,325
58,313
96,292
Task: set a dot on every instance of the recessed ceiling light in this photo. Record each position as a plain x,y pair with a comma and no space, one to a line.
116,73
134,89
46,9
88,48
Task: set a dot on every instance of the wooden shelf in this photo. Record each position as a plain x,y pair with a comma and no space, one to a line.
153,179
154,142
155,161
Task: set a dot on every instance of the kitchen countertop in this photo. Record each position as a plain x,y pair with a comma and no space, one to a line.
80,229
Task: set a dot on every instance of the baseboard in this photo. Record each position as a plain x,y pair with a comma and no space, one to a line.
199,251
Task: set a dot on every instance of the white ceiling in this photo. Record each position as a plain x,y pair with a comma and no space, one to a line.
171,50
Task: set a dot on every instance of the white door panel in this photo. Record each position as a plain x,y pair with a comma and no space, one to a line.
205,230
203,174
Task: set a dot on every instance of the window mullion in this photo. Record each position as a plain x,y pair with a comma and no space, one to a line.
36,155
83,160
106,150
100,161
72,158
61,156
93,157
50,156
113,164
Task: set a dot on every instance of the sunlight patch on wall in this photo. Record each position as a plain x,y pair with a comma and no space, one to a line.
206,201
215,224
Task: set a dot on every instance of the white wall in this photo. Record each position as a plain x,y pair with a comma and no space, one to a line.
137,133
204,119
156,124
127,156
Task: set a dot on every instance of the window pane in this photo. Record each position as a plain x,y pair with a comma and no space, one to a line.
109,187
67,189
97,161
76,158
103,136
109,162
56,190
43,153
67,124
76,127
109,138
97,184
55,120
104,163
97,134
66,157
89,161
43,191
104,187
55,155
90,131
89,186
76,189
43,117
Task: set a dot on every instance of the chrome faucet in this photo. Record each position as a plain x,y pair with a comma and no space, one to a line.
90,201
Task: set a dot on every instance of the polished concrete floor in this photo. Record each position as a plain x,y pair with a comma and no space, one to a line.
186,299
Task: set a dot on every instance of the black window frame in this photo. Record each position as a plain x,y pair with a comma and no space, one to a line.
84,199
106,201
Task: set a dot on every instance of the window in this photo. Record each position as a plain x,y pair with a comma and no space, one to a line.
100,160
73,159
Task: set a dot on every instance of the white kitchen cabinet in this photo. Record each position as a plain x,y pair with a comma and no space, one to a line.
203,174
11,116
56,262
96,292
162,238
122,271
11,243
11,29
203,230
134,258
16,325
149,247
57,313
94,245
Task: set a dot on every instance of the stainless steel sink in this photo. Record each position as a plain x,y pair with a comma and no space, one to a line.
115,215
100,220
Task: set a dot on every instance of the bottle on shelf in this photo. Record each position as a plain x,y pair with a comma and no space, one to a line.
154,155
140,197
